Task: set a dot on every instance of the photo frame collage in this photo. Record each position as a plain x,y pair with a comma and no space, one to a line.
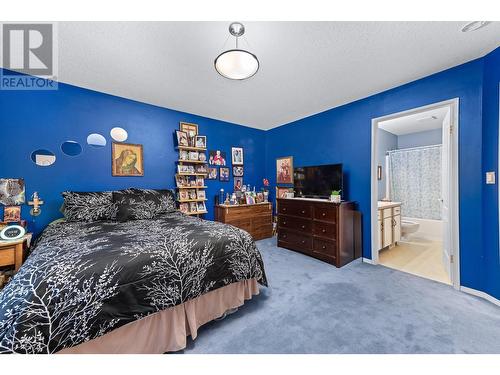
284,176
192,169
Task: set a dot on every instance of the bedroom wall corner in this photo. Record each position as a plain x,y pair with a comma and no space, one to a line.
30,120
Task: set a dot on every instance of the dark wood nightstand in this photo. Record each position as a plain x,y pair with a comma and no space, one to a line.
13,253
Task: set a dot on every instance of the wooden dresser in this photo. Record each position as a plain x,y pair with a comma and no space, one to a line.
256,219
319,228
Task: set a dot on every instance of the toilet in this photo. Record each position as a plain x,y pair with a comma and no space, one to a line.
408,227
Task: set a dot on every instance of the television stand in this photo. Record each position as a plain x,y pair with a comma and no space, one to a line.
319,228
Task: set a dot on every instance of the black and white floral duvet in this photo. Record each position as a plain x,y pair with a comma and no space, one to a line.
83,280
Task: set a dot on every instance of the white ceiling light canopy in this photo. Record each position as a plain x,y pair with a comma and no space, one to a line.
474,25
236,63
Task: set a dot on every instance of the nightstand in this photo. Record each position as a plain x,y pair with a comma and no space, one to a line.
12,253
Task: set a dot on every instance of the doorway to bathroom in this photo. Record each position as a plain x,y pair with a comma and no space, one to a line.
415,192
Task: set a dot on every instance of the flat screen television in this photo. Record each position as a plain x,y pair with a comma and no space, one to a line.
317,181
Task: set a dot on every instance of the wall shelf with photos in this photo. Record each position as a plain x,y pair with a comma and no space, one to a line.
192,169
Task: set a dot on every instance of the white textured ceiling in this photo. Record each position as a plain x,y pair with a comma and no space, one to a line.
306,67
417,122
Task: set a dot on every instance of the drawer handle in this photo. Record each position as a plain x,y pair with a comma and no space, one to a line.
303,241
303,211
303,226
283,209
323,231
284,236
284,223
323,214
323,247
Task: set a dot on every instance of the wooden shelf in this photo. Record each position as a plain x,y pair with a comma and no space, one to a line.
192,200
192,174
192,161
189,148
191,187
196,213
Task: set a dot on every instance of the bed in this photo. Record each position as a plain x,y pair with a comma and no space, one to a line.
137,286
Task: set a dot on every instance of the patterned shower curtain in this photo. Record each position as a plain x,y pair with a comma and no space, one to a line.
415,176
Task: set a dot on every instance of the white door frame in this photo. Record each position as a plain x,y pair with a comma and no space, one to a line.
453,105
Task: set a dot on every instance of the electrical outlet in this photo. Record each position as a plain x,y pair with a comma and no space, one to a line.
490,178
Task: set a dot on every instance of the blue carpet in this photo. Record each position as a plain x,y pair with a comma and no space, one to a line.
313,307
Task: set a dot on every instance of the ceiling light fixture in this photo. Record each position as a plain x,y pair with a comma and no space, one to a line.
474,25
236,63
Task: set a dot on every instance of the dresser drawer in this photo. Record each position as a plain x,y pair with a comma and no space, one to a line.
289,222
296,208
325,249
295,240
245,224
7,256
325,212
327,230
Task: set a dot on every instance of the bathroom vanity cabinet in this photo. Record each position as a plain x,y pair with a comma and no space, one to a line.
389,222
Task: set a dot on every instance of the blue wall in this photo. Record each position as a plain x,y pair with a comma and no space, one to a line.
490,163
343,135
425,138
30,120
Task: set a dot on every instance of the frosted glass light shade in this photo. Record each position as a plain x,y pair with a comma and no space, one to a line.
236,64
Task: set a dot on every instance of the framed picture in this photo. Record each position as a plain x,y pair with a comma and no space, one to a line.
193,155
183,195
284,170
212,173
127,160
184,207
192,194
260,197
201,168
281,191
238,183
202,156
201,141
12,191
217,157
200,181
190,129
224,174
193,207
201,207
12,213
182,138
238,171
201,194
237,155
250,199
181,181
183,155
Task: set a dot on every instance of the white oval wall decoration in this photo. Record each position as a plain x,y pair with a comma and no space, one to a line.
119,134
96,140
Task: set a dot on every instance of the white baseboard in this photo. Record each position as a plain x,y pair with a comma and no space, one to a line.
369,261
478,293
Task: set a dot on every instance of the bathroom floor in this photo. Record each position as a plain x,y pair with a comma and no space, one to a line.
419,257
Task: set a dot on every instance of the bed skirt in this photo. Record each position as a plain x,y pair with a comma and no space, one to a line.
167,330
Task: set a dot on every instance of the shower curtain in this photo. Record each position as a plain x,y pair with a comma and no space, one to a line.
415,181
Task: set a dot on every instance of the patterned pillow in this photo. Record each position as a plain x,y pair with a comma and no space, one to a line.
88,206
136,204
